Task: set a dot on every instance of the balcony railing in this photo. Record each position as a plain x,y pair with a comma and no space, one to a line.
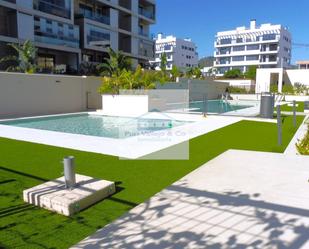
147,13
10,1
49,38
143,33
93,16
53,9
92,38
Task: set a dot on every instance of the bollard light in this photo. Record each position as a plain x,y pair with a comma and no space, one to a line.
294,113
279,125
69,172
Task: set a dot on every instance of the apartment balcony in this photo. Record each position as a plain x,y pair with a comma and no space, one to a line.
93,16
143,33
252,42
146,49
166,49
51,8
10,1
146,9
146,13
56,40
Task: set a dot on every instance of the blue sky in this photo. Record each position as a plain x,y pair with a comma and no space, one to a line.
201,19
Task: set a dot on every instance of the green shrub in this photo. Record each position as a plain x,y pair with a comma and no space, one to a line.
288,89
234,89
303,145
273,88
233,74
251,73
129,80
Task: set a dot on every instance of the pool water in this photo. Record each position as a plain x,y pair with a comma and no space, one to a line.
97,125
216,106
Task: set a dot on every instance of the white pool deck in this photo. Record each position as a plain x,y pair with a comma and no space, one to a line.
258,202
131,147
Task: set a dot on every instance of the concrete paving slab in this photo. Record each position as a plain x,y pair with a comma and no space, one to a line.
240,199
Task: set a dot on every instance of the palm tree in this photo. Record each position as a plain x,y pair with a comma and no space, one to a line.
25,58
116,62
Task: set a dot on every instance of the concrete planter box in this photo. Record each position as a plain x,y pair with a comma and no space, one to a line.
125,105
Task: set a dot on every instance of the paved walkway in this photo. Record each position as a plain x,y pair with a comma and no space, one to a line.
238,200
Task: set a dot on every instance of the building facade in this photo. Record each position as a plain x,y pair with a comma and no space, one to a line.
179,52
68,32
264,46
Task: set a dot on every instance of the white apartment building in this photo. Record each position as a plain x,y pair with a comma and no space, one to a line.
67,32
180,52
264,46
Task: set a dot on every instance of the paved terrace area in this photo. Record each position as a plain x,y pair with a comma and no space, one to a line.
260,201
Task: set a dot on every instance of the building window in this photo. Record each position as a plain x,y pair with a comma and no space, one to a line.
238,58
226,41
252,57
253,47
239,40
268,37
239,48
46,62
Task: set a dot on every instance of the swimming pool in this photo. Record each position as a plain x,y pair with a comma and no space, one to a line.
212,106
216,106
97,125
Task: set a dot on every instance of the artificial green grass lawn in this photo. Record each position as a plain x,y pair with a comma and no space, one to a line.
299,107
23,165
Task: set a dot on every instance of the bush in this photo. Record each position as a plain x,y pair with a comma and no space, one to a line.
288,89
303,145
273,88
300,88
251,73
233,74
234,89
129,80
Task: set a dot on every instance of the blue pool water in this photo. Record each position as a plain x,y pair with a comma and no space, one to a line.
95,125
215,106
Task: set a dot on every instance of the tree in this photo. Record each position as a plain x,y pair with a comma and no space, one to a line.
175,72
190,72
197,73
251,72
24,60
163,62
116,62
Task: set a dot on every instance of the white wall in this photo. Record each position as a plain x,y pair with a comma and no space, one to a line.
125,104
298,76
34,94
263,79
292,76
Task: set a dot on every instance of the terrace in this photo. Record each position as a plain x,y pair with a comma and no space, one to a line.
189,169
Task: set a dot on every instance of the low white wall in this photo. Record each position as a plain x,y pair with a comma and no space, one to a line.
37,94
296,97
125,104
246,96
243,83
